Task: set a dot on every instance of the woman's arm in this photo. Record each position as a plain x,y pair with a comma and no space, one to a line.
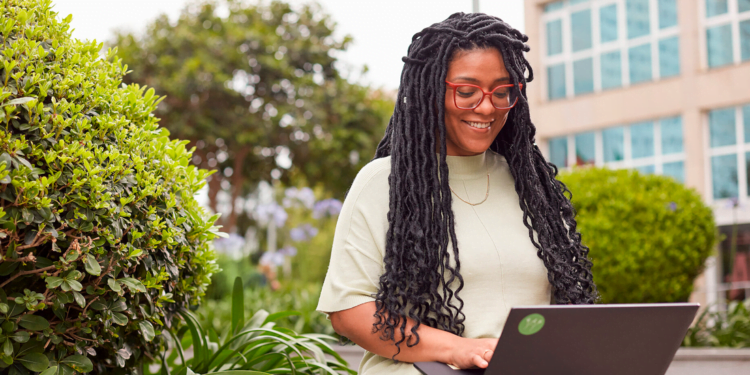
434,344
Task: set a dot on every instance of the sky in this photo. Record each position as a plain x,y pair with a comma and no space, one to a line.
382,29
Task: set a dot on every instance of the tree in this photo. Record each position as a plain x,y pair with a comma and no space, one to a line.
254,87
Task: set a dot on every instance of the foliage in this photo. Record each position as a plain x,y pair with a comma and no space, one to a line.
257,347
96,206
729,328
254,86
649,235
294,296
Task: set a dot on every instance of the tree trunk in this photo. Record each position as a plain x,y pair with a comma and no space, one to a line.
237,177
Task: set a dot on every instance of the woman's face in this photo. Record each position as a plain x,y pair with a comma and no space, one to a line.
471,132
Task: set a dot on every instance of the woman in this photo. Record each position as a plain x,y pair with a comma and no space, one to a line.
416,275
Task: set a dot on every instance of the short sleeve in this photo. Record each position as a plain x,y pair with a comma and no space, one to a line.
359,241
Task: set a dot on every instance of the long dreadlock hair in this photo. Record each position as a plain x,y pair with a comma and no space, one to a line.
418,271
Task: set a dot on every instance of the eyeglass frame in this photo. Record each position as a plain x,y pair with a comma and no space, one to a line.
484,93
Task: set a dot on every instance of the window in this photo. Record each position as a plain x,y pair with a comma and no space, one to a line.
556,81
608,23
719,42
583,76
580,29
611,70
667,13
729,151
602,45
650,147
727,32
669,57
639,59
638,18
554,37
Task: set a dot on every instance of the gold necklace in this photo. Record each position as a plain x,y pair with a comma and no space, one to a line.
485,196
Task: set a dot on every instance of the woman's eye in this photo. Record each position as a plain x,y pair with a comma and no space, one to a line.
466,92
501,93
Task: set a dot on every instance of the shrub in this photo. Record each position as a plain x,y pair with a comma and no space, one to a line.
101,239
729,328
649,235
255,347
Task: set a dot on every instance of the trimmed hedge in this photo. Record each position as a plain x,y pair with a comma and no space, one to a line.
101,239
649,235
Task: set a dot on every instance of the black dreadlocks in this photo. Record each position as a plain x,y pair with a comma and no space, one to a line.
418,272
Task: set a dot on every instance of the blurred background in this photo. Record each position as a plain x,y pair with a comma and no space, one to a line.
286,101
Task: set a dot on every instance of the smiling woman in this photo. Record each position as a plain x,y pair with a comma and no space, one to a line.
397,284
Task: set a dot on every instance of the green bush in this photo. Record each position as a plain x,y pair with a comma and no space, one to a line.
729,328
296,296
255,347
101,239
649,235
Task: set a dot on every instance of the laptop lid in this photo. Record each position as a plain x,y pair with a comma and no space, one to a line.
587,339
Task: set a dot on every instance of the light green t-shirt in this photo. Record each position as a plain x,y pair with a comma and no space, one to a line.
499,264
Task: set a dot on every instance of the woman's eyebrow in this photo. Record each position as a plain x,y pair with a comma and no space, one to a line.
470,79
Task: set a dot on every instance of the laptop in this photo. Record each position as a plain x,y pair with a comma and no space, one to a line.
585,340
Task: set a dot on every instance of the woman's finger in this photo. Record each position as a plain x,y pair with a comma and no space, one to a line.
478,361
487,355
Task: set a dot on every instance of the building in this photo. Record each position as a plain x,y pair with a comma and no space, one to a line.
662,86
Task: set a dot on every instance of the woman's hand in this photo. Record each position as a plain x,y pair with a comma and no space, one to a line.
468,353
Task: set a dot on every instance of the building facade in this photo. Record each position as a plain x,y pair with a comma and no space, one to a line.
662,86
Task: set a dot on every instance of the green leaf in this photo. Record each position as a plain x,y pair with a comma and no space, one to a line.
238,305
3,308
53,282
79,299
18,101
50,371
8,347
20,336
147,329
114,285
134,284
119,318
239,372
74,285
79,363
92,266
33,322
34,361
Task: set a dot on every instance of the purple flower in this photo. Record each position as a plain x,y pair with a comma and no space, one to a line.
303,232
672,206
327,207
272,259
230,244
289,251
264,213
305,196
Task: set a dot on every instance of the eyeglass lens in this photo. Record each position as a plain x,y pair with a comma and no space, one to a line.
468,97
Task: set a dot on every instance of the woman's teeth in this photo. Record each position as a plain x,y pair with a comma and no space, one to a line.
479,125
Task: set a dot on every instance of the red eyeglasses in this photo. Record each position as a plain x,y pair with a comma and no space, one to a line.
468,97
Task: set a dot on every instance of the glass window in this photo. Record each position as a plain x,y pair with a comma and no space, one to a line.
669,57
671,135
667,13
583,76
580,30
585,149
574,2
608,23
721,127
613,141
646,169
642,139
724,176
746,122
554,37
558,151
638,18
611,70
719,43
553,6
675,170
640,63
745,40
743,6
556,81
716,7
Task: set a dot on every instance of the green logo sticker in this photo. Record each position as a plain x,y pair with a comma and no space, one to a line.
531,324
